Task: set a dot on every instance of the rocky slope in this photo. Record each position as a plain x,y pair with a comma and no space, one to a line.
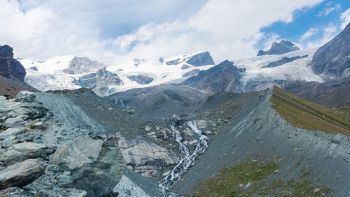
333,59
223,77
332,93
124,145
210,133
283,155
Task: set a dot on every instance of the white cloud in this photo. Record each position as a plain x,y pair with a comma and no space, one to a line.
329,9
309,34
345,18
327,34
227,28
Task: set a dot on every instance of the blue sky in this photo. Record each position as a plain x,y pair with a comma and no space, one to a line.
120,30
320,16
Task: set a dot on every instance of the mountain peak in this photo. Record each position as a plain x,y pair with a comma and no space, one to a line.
281,47
6,51
197,59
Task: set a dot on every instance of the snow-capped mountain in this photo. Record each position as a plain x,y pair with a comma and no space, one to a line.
257,73
265,71
68,72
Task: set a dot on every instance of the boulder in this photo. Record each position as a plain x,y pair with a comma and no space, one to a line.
11,132
146,157
22,151
75,154
21,174
8,141
32,110
12,122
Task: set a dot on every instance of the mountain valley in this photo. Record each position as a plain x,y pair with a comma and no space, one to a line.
273,125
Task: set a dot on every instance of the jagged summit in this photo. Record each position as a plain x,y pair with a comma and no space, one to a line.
333,59
281,47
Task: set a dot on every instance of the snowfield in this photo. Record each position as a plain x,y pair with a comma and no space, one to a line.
50,75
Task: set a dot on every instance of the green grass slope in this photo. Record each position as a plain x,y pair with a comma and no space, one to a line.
310,116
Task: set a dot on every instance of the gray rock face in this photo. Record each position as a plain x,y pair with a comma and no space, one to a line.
146,157
10,67
201,59
80,65
284,60
21,173
76,154
333,58
100,81
22,151
222,77
141,79
280,47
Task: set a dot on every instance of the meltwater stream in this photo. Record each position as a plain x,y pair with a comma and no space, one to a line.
188,159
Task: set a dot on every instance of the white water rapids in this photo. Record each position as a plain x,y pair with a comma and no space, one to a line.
188,158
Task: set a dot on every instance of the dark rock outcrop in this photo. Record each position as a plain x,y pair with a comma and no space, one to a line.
10,67
141,79
222,77
280,47
284,60
201,59
333,58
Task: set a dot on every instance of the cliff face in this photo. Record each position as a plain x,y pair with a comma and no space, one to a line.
333,58
10,67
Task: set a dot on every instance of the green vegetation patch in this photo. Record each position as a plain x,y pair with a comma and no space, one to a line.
254,178
308,115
